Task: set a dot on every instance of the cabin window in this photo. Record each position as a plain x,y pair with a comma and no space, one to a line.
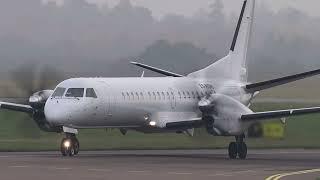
154,95
59,92
172,95
198,95
184,94
188,94
91,93
159,96
75,92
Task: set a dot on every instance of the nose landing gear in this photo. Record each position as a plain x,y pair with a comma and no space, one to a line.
70,145
238,148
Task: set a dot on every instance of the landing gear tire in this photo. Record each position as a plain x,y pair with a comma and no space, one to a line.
69,146
76,146
242,150
71,151
233,150
238,148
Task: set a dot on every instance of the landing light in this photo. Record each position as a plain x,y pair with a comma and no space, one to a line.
152,123
66,144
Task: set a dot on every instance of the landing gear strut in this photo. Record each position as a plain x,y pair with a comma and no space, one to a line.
238,148
69,145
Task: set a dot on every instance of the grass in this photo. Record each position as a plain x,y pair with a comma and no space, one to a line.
20,133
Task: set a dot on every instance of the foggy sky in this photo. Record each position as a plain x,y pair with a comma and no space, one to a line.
190,7
83,40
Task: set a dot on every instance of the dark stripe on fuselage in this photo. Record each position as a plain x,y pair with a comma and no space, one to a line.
234,41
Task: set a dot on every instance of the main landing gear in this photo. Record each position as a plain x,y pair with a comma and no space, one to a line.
238,148
69,145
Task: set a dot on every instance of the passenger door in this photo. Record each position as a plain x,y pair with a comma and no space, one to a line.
106,100
172,98
92,103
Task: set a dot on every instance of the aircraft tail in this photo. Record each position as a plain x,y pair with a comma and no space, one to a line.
234,65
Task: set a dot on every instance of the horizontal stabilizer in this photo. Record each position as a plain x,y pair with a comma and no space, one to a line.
16,107
277,82
279,114
157,70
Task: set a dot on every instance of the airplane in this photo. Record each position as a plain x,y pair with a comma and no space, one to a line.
216,98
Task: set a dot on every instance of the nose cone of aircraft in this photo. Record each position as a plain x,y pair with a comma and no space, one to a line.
53,113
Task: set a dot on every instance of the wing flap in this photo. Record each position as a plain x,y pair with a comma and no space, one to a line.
16,107
189,124
279,114
280,81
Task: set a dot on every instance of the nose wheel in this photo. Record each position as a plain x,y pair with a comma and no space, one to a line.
69,146
238,148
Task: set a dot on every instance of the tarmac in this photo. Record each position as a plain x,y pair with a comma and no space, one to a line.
161,165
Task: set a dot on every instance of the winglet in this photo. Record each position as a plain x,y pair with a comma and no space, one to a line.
157,70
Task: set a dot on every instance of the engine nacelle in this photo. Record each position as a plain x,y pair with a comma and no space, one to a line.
38,99
222,115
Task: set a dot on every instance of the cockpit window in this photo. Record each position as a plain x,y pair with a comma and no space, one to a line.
58,92
91,93
75,92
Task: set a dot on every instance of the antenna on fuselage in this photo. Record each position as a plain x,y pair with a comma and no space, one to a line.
142,75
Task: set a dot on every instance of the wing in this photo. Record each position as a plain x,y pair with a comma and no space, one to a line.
277,82
279,114
188,124
157,70
16,107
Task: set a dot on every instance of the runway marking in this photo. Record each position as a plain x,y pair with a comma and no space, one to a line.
279,176
101,170
19,166
60,168
138,171
180,173
233,173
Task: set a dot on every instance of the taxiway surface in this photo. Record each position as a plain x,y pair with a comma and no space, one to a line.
160,165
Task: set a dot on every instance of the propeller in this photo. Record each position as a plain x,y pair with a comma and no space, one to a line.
35,83
34,86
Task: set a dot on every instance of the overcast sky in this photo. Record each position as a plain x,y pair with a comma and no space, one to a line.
189,7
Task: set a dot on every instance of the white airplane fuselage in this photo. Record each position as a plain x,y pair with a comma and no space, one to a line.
134,102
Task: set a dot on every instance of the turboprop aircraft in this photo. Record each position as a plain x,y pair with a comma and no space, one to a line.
216,97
